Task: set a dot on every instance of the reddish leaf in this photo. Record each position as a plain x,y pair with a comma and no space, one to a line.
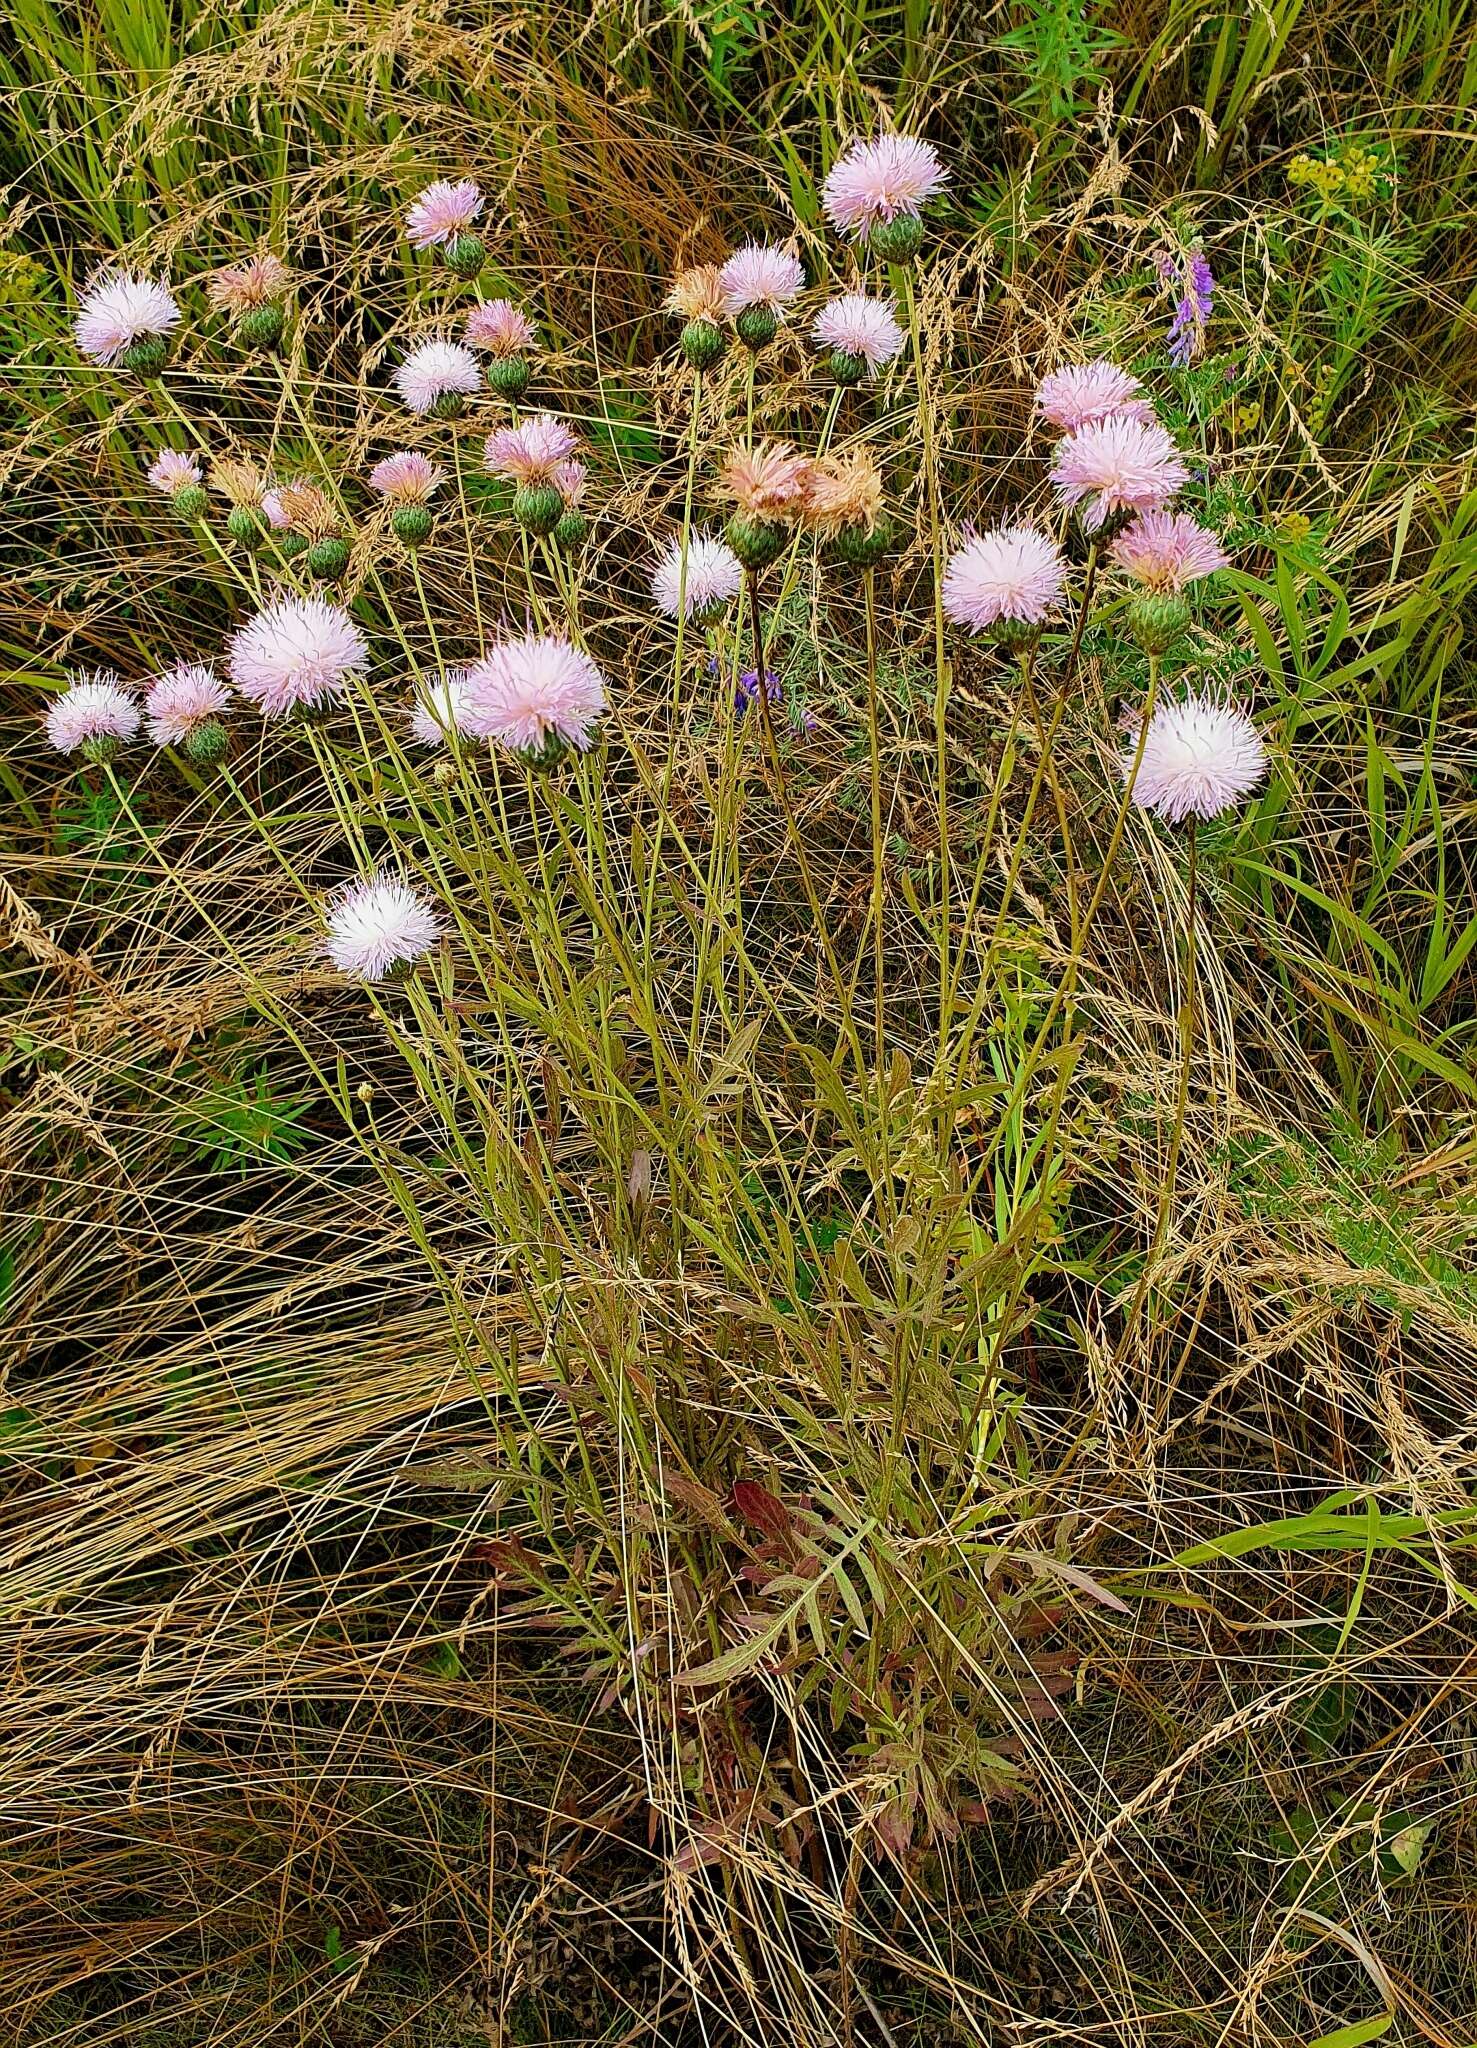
760,1509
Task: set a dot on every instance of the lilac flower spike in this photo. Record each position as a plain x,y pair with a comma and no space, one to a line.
1195,284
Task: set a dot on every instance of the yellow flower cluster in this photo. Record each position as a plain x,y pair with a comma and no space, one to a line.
1243,416
1295,526
1354,174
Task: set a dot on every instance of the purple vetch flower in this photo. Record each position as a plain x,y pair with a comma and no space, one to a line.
746,696
1190,277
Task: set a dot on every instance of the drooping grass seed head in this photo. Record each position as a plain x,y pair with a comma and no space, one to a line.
1081,394
875,193
861,333
712,579
1117,465
380,926
94,716
126,320
1199,759
437,378
296,652
1006,583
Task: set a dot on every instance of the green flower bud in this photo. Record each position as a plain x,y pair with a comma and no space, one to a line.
572,531
328,558
861,547
448,406
756,542
897,240
245,525
146,356
508,376
846,368
464,255
411,524
1157,618
756,327
703,343
191,501
206,742
103,746
261,326
539,507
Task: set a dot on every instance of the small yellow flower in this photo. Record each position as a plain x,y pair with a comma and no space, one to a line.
1295,527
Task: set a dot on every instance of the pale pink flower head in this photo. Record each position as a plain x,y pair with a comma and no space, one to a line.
770,482
120,309
94,712
539,689
871,182
296,651
182,699
714,577
436,372
379,924
406,479
442,707
1167,550
1117,465
273,509
1199,758
1079,394
443,211
500,327
531,452
1012,575
170,471
855,325
761,274
569,480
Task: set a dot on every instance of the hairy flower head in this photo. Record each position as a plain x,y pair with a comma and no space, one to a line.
713,577
118,309
182,699
1199,758
409,478
238,481
1167,550
525,692
844,491
242,287
1117,465
170,471
877,181
437,369
95,707
855,325
500,327
698,294
298,650
377,924
1079,394
442,212
441,707
761,274
770,482
1012,573
531,452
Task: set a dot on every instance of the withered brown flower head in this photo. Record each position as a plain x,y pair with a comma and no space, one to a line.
845,492
242,287
697,294
769,482
239,481
309,510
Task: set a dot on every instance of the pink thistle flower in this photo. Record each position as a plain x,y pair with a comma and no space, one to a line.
1012,574
442,708
714,577
298,650
443,211
93,708
119,309
1167,550
275,512
379,924
500,327
182,699
1199,758
569,480
877,181
434,371
531,452
1117,465
1080,394
760,274
170,471
406,479
855,325
768,482
525,693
